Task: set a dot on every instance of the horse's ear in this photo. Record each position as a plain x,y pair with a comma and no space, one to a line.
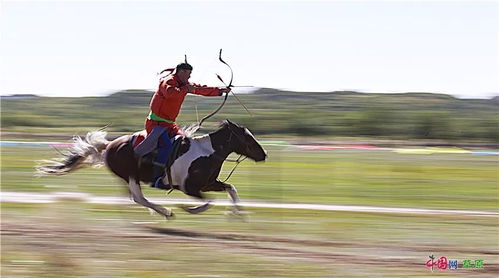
230,124
224,124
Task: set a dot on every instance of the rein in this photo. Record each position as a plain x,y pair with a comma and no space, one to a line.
237,161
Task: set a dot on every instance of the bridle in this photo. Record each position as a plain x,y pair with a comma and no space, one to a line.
238,160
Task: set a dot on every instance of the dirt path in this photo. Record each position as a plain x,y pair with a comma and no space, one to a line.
127,243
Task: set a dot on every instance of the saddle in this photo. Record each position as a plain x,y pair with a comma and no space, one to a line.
150,158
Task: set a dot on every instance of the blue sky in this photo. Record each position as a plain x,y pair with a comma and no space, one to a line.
80,48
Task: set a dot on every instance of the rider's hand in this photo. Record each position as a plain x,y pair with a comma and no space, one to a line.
224,90
190,88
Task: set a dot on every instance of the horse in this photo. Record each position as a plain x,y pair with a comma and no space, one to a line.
195,169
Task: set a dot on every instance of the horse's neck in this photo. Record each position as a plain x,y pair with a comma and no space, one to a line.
219,142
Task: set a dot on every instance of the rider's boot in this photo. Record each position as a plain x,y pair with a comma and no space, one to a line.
157,178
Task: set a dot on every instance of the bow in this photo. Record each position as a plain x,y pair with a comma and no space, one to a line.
230,83
226,94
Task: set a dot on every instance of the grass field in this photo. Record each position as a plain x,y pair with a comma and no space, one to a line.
445,181
75,239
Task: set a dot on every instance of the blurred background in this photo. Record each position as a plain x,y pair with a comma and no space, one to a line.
385,113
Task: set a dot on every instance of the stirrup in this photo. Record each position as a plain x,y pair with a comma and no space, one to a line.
157,164
159,184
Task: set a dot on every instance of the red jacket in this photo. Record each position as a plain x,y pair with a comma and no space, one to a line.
168,99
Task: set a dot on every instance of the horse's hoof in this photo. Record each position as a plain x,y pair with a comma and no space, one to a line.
237,215
170,216
169,213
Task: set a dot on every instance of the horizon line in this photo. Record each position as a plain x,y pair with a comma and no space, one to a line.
107,93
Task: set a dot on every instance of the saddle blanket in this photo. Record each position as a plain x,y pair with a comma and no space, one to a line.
139,136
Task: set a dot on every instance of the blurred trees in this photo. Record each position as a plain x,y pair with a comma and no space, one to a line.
278,113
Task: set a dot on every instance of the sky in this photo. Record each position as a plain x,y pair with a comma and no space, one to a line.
88,48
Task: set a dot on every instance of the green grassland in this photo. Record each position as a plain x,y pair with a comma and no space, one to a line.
75,239
381,178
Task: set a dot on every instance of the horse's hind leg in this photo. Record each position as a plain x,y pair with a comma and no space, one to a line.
198,209
139,198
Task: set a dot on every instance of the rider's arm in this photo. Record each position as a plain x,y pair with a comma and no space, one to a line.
206,91
171,87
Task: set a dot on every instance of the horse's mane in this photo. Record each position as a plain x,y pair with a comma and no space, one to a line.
189,130
223,123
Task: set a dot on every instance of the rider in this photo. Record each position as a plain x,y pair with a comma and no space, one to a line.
165,106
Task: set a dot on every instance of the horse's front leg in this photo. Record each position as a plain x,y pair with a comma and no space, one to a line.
230,189
138,197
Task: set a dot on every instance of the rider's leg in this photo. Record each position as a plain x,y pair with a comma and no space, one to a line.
150,142
164,149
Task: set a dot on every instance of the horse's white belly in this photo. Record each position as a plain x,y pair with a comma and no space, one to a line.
199,147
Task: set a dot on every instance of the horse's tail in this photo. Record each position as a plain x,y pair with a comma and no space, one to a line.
89,150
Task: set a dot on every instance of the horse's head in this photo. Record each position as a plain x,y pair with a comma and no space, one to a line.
243,142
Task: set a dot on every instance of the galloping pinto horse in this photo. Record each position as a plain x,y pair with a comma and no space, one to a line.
194,171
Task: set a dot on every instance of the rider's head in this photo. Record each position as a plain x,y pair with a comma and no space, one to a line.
183,71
